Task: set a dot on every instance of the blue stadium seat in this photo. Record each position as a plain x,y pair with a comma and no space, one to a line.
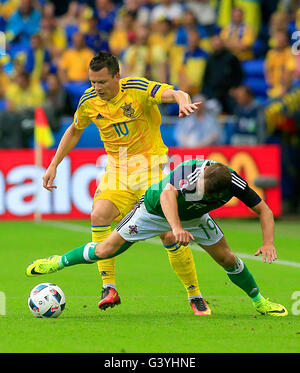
70,30
76,90
255,78
2,104
254,68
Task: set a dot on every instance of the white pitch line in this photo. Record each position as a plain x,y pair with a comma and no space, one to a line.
63,225
156,241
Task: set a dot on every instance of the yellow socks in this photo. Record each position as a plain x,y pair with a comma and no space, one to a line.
106,267
182,261
180,257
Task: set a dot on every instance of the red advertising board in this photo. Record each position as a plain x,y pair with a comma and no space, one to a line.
21,192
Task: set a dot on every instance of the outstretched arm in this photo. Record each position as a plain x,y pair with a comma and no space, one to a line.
267,250
186,107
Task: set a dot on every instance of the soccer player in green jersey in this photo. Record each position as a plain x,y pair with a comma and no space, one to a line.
181,203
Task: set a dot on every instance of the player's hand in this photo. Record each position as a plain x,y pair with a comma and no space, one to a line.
49,177
268,253
182,236
187,109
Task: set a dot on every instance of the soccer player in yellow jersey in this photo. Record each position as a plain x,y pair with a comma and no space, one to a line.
127,116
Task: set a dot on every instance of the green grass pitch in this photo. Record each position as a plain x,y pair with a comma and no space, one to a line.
155,316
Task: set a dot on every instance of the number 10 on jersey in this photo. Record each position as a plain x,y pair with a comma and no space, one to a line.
121,129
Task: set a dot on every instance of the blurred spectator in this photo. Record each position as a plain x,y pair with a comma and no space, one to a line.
53,35
22,24
86,12
70,18
247,125
278,22
143,59
17,66
203,11
144,11
74,63
223,71
57,102
201,129
162,34
38,59
251,8
123,33
170,9
189,22
7,8
239,37
130,6
48,10
4,82
280,65
24,94
93,38
192,70
106,12
69,21
252,13
17,121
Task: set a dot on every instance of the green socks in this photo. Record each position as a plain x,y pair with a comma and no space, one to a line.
84,254
240,276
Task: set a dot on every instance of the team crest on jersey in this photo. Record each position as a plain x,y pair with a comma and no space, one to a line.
128,111
133,229
183,184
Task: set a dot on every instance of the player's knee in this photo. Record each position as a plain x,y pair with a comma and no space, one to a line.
98,218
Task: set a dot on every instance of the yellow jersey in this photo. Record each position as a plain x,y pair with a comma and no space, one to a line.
129,123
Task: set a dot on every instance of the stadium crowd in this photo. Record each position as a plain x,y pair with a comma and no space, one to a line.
239,56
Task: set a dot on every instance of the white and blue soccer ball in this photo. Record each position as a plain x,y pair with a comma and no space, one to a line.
46,300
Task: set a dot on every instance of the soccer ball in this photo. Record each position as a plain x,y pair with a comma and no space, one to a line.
46,300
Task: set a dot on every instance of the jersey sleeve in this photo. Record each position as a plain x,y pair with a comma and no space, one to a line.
148,91
241,190
81,118
155,91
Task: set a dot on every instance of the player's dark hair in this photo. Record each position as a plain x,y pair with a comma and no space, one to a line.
217,177
105,59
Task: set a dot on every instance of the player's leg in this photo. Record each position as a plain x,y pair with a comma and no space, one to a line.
85,254
240,275
103,213
112,188
182,262
180,257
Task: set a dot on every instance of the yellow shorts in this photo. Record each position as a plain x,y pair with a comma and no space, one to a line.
125,190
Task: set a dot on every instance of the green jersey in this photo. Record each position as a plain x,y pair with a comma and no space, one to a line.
191,205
